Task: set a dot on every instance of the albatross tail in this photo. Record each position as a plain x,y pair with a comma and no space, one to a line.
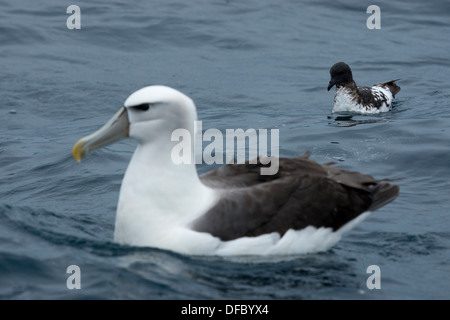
382,194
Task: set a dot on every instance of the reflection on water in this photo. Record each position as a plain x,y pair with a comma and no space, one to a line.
349,121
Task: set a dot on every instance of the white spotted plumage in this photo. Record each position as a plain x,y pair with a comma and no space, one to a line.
346,99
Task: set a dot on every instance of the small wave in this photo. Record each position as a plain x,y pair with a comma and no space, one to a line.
398,245
51,227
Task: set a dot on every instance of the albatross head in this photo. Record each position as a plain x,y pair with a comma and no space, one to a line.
147,115
158,196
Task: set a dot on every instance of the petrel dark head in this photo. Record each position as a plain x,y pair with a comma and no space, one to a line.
340,75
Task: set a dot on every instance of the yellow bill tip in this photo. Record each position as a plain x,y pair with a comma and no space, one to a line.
78,151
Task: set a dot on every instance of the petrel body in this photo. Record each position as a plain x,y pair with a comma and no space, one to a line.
366,100
233,210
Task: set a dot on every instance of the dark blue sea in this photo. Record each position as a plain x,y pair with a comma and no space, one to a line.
246,64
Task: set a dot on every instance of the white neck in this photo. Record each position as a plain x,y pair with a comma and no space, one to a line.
156,193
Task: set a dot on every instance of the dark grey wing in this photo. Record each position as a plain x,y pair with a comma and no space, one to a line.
371,97
302,194
248,174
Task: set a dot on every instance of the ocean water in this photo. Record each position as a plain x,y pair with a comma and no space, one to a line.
246,64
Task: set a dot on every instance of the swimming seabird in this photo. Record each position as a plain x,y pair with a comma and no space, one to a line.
233,210
350,97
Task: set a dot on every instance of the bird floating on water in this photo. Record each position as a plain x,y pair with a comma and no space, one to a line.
367,100
233,210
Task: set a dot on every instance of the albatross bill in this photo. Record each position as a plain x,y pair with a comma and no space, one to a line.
114,130
233,210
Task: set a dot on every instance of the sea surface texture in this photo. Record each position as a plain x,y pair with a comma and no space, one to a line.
246,64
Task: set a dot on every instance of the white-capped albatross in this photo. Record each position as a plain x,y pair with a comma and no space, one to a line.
365,100
233,210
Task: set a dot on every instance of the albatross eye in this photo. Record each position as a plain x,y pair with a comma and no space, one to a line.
142,107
